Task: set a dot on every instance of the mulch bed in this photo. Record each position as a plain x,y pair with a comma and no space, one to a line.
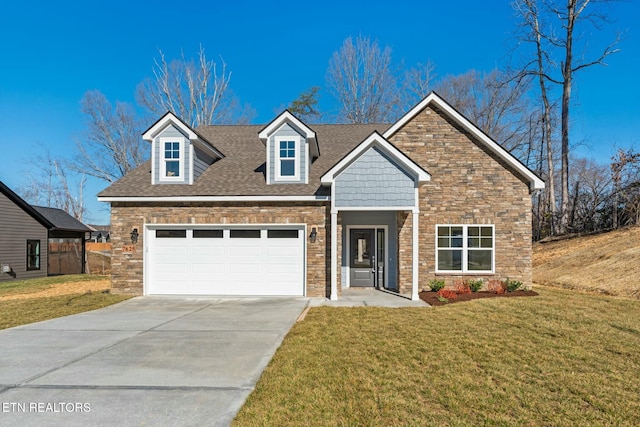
431,298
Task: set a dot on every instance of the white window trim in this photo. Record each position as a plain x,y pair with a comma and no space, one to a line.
296,159
465,249
163,166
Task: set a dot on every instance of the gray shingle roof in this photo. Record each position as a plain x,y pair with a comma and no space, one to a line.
60,219
241,171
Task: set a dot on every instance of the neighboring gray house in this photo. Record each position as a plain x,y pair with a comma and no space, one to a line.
37,241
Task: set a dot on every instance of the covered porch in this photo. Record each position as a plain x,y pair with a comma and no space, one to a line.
374,220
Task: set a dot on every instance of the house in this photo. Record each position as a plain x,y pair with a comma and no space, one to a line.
100,233
297,209
37,241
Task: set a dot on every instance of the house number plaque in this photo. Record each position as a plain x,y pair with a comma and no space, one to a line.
128,249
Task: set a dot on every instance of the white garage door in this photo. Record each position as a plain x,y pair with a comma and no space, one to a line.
225,261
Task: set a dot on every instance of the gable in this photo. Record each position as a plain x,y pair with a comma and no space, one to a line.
374,180
11,200
375,174
433,100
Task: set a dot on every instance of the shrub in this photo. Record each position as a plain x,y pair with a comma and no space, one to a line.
447,294
476,285
496,286
461,287
512,285
436,285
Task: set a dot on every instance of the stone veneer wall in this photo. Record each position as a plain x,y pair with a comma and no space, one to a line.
469,185
127,268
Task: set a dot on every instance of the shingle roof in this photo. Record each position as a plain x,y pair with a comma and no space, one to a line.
242,171
60,219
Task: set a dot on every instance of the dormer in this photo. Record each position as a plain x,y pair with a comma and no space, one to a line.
291,147
179,155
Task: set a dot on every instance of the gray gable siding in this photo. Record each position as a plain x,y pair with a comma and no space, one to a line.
285,131
374,180
201,162
16,227
171,131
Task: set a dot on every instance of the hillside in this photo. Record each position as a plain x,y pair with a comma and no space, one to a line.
608,263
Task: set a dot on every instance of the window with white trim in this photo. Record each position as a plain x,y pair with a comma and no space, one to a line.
465,248
171,160
287,158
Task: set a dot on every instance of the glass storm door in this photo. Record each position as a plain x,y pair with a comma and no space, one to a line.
366,258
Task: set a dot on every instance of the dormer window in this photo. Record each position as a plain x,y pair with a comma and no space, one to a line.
179,155
171,160
290,147
287,158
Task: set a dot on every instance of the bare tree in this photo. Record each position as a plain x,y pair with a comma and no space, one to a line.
494,104
195,90
591,184
112,145
418,81
361,78
626,180
528,11
569,14
48,184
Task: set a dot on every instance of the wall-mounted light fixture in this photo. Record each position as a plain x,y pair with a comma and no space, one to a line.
134,236
313,235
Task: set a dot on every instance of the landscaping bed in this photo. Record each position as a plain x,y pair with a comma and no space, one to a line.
432,298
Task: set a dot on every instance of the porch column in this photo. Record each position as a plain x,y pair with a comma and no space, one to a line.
334,256
414,258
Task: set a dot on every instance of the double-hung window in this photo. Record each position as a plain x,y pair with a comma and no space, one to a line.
465,249
171,160
33,254
287,159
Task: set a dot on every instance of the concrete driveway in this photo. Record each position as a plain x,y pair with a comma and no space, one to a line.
149,361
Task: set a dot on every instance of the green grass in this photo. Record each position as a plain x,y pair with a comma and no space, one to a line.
562,358
15,287
24,311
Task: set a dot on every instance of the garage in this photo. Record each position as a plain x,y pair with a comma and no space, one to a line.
216,260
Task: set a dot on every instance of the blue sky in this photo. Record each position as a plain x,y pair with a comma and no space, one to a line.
51,53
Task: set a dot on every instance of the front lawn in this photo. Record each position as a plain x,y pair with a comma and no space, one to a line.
23,301
30,286
561,358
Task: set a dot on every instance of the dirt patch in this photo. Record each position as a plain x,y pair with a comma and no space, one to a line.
63,289
431,298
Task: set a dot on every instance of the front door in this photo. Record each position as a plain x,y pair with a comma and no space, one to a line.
362,257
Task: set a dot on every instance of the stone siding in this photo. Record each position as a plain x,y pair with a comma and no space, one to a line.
469,185
127,266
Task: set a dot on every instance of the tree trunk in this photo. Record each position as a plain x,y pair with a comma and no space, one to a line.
566,97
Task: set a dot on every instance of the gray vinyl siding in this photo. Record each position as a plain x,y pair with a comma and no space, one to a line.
171,131
374,180
16,227
200,163
285,131
388,218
